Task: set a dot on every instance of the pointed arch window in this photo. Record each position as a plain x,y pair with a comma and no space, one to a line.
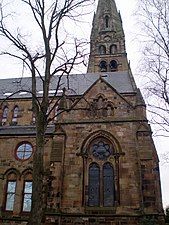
101,176
107,21
5,115
15,115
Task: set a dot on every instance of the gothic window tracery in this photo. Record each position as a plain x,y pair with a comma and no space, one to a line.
23,151
101,176
100,107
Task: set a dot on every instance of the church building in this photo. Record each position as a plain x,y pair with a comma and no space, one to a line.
102,162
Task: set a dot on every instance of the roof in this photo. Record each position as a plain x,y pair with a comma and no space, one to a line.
77,84
23,130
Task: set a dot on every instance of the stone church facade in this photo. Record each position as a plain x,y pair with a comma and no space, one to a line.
102,164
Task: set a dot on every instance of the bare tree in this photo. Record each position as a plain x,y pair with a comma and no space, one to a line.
153,17
43,63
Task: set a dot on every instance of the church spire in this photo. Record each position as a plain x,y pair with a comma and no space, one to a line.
107,50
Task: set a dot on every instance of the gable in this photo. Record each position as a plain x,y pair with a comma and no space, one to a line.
101,101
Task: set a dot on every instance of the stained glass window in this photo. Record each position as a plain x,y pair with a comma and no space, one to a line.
27,196
108,185
94,185
10,197
101,150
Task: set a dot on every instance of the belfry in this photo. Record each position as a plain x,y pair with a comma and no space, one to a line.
101,160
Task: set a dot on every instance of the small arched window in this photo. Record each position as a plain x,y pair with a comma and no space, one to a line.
102,50
103,66
113,65
15,115
113,49
5,115
27,191
5,112
10,191
107,21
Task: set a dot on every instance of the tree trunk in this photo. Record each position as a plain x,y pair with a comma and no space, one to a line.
38,204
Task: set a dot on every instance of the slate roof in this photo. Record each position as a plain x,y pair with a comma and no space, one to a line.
77,84
23,130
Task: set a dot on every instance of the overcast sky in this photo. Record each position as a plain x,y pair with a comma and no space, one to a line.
126,7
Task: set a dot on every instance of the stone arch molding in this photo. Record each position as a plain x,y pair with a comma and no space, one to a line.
102,134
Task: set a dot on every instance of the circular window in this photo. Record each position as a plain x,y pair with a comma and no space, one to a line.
24,151
101,149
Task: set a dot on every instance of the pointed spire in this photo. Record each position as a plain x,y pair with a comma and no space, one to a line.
108,17
107,38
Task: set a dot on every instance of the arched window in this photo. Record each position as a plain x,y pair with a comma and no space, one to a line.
113,49
101,181
27,196
10,195
94,185
5,115
106,21
102,50
15,115
103,66
10,190
113,65
18,190
108,185
27,191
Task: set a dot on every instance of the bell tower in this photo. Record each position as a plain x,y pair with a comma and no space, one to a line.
107,41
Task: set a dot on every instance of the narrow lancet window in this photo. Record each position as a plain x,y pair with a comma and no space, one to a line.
94,185
107,21
108,185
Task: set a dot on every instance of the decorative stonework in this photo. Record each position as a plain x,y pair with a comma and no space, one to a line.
100,107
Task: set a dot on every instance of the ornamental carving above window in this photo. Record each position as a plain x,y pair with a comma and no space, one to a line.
100,107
